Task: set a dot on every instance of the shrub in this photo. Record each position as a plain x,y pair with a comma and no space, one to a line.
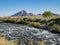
35,24
56,29
47,14
57,21
51,23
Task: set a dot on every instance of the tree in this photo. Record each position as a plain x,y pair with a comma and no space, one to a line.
47,14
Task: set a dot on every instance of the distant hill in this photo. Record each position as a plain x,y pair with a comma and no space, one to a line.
22,13
54,14
39,14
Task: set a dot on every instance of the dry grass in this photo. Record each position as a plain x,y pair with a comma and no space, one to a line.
31,17
41,43
3,41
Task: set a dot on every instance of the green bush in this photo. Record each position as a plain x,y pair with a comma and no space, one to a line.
47,14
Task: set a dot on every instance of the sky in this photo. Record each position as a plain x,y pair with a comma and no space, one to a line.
10,7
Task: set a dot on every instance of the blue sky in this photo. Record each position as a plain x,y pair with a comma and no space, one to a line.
9,7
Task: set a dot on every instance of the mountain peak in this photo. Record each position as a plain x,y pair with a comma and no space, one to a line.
21,13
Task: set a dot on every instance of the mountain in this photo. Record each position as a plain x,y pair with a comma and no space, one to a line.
31,14
22,13
39,14
54,14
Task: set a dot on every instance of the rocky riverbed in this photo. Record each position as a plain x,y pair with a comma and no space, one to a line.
25,33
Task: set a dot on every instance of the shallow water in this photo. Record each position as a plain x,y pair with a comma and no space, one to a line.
13,31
